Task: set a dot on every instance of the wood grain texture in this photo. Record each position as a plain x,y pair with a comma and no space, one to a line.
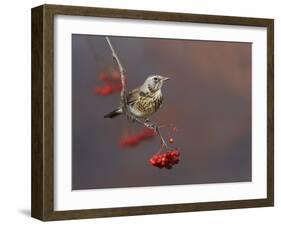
42,113
270,111
37,159
43,106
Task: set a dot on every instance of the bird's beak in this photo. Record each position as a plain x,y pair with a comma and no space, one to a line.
165,78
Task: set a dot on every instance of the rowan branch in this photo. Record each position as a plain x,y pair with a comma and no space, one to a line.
123,95
124,103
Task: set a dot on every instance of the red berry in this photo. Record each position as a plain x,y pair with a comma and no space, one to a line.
171,140
105,90
158,160
152,161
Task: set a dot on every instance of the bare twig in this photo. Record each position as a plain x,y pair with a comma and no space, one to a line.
154,126
122,75
124,103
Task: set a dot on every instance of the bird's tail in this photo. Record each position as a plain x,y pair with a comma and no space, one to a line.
114,113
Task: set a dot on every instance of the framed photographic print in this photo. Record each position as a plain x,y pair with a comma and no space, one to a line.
141,112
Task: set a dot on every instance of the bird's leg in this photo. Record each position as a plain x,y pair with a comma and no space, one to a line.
150,124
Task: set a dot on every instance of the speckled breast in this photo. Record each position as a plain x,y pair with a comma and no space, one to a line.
147,105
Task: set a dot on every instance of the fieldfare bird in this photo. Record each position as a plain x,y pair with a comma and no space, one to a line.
145,100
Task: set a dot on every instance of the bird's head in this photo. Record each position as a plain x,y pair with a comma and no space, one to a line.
154,83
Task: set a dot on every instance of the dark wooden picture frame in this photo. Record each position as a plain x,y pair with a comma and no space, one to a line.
42,203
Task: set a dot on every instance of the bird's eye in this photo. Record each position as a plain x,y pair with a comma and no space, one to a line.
155,79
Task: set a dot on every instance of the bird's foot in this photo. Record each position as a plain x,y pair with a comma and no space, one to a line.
150,124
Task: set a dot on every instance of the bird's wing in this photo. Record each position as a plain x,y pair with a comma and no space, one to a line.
133,96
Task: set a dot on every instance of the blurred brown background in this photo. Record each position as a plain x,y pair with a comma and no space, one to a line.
208,98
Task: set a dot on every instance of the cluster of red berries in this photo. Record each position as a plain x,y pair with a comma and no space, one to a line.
112,84
135,139
166,160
